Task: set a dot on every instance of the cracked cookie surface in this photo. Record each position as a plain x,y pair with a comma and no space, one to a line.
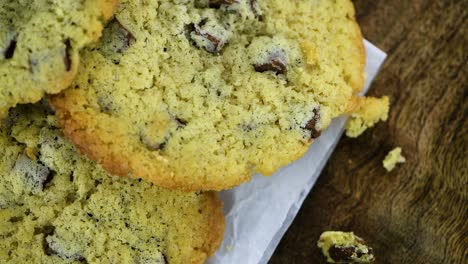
202,94
39,45
57,206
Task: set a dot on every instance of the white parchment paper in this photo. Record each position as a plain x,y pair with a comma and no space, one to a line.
259,212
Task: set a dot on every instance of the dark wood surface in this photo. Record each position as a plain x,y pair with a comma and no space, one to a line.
418,213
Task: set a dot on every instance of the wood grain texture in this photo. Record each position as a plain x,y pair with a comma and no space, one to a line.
418,213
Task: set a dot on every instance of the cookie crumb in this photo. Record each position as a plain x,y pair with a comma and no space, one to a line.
366,113
344,247
393,158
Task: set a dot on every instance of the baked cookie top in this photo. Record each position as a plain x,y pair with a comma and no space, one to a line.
59,207
39,45
202,94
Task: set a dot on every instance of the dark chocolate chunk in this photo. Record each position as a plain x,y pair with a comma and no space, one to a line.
311,125
216,44
210,35
67,58
218,3
10,50
342,254
276,63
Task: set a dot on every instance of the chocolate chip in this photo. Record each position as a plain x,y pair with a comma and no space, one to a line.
276,63
10,50
67,58
116,38
311,125
342,254
210,35
218,3
216,44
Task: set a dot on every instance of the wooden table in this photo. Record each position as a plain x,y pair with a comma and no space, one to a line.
418,213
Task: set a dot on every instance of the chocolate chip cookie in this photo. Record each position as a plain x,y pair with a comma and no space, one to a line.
201,94
57,206
40,42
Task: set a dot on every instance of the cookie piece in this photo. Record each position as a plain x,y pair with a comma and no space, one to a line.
58,207
366,113
393,158
40,42
202,94
344,247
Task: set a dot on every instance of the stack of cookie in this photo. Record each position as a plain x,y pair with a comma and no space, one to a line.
119,120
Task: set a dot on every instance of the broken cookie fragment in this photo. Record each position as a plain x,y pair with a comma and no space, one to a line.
210,35
34,174
344,247
116,39
393,158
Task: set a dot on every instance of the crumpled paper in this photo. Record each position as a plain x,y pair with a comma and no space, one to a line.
259,212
